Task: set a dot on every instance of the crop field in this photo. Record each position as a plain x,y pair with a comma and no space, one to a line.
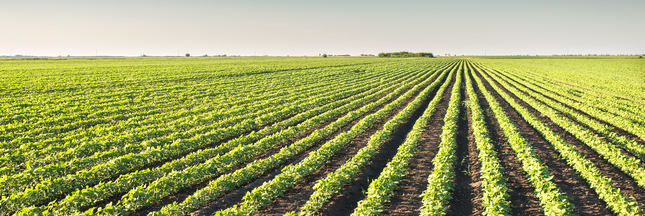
322,136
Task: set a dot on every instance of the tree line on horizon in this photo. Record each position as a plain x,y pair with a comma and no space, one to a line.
404,54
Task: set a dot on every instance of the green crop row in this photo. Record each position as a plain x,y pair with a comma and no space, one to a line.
130,144
613,154
166,185
331,185
54,172
603,186
552,199
293,174
87,197
606,131
44,190
495,191
76,145
625,120
440,182
381,190
252,171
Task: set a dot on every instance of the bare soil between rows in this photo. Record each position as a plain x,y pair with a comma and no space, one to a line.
523,201
231,197
344,203
406,198
235,197
467,193
585,199
624,182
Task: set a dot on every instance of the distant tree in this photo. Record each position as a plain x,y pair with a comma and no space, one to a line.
325,55
187,54
640,57
404,54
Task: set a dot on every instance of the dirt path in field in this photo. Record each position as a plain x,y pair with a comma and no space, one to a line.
406,199
467,193
523,201
179,197
235,197
585,199
621,180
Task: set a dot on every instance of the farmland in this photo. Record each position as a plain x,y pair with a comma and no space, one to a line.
330,136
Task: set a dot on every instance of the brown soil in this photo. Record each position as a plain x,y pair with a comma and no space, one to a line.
183,194
406,199
617,130
585,199
624,133
625,183
467,194
235,197
523,201
345,202
298,196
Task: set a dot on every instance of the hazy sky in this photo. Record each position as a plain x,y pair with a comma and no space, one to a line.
267,27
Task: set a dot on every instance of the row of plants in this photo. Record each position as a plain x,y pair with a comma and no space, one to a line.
381,190
219,165
552,199
621,115
193,95
51,188
164,127
610,152
331,185
616,77
193,165
293,174
49,102
606,131
161,123
79,117
628,121
441,181
603,186
75,149
494,188
235,126
229,182
608,103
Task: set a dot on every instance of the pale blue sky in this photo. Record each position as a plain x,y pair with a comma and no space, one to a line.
133,28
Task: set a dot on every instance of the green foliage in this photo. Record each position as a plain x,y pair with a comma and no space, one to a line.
381,189
441,181
603,186
552,199
293,174
80,132
404,54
